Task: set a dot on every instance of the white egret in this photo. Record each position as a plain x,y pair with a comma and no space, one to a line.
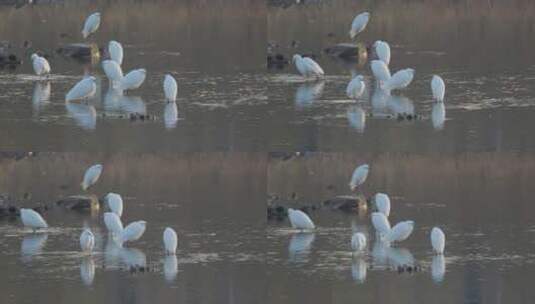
87,240
170,115
438,115
30,218
380,71
133,232
115,203
355,88
113,223
401,79
380,223
84,89
438,268
382,202
113,71
170,88
170,240
357,118
91,24
382,49
307,67
91,176
359,176
438,240
358,241
133,80
401,231
300,220
87,271
40,65
359,24
438,88
116,51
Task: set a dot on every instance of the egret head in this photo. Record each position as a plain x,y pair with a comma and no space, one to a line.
34,56
296,57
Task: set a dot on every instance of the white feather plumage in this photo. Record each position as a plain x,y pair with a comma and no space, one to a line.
300,220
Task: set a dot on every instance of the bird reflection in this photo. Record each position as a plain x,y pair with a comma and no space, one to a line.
438,268
32,245
356,117
84,115
112,100
307,93
379,100
133,257
170,267
359,268
170,115
438,115
41,95
112,253
87,270
384,255
400,105
132,105
299,246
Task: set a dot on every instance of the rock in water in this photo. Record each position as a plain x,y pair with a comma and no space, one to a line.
80,203
80,51
347,203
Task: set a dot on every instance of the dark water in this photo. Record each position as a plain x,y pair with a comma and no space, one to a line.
210,173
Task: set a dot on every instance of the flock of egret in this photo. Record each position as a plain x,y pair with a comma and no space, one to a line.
86,88
385,233
112,220
386,82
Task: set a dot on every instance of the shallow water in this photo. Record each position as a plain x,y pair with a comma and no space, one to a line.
207,166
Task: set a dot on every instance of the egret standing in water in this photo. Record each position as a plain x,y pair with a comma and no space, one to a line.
91,176
355,88
380,71
87,240
115,203
170,88
30,218
401,79
382,49
40,65
358,241
359,176
84,89
133,232
133,80
91,25
116,51
359,24
401,231
438,240
170,241
300,220
307,67
382,202
113,71
113,223
438,88
381,223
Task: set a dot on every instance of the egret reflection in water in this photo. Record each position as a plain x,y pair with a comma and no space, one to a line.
400,105
438,115
112,252
300,244
359,268
170,267
170,115
132,257
308,92
84,115
379,101
87,270
32,245
41,95
132,105
356,117
438,268
386,256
